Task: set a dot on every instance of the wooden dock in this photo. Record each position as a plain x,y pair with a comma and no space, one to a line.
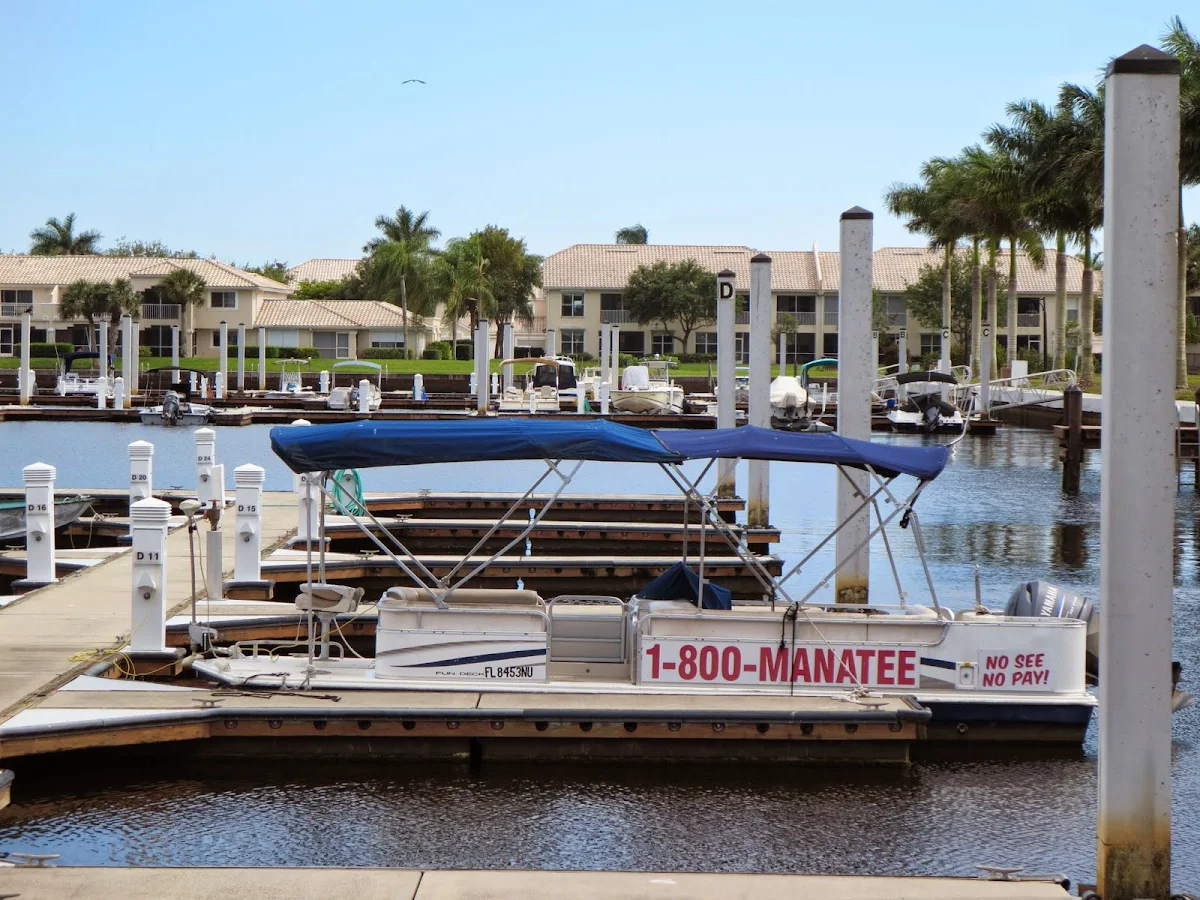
144,883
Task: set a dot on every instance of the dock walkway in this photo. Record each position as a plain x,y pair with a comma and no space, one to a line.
415,884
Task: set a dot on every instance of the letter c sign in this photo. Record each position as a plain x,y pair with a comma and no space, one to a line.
725,290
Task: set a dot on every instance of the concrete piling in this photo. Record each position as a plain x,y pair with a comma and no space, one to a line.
175,352
726,411
482,357
206,461
223,357
241,351
852,583
1139,421
614,353
364,396
1073,456
39,527
262,359
118,393
132,385
605,374
149,521
102,347
26,380
902,349
127,363
507,350
758,500
550,342
985,369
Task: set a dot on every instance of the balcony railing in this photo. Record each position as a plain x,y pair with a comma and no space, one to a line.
800,318
742,318
1029,320
897,320
160,310
13,310
615,317
831,317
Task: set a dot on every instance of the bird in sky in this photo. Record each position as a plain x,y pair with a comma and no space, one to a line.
411,80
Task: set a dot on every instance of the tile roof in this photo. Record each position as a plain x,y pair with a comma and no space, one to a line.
356,314
608,267
50,270
322,270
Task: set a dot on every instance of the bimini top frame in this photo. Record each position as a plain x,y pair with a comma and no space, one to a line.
322,449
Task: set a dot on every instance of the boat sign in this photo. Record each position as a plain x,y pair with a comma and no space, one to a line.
685,661
1007,671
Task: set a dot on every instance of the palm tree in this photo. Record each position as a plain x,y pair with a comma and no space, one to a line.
188,290
405,243
461,277
1179,42
99,300
633,234
57,238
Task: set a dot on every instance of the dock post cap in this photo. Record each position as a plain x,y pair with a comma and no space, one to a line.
760,258
205,434
249,475
141,450
39,473
727,273
857,212
1144,60
150,511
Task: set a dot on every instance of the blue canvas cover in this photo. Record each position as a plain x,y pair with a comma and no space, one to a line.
681,583
364,445
751,442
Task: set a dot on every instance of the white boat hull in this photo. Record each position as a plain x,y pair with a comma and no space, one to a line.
655,400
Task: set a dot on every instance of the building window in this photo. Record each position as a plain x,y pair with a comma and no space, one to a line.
332,344
388,340
662,344
23,299
158,339
223,300
800,348
741,348
896,313
572,341
37,336
1029,342
931,343
6,340
632,342
572,306
706,343
829,346
283,337
803,310
831,311
1073,308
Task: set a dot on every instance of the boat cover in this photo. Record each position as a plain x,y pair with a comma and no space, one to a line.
363,445
752,442
930,376
681,583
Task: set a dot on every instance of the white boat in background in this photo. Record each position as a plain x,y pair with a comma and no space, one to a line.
70,382
176,409
741,385
291,382
551,383
346,396
789,402
648,388
923,410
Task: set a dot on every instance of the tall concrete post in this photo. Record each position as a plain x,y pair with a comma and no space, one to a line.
726,411
175,352
482,357
605,374
614,353
874,354
507,347
141,475
1137,474
148,599
985,370
132,384
127,360
39,526
902,349
242,356
102,348
26,378
223,359
262,359
247,553
782,352
852,582
758,501
550,338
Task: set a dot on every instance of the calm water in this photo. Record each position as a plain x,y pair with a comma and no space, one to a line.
997,505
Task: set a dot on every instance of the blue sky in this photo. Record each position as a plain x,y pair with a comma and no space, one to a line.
261,130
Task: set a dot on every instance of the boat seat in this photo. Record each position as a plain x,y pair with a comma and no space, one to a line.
402,597
921,612
320,597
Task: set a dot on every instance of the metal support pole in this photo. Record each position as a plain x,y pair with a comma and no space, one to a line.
852,549
726,411
149,520
1137,474
242,357
262,359
26,374
758,503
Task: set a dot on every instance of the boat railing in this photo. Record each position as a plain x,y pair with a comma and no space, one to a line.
255,647
618,640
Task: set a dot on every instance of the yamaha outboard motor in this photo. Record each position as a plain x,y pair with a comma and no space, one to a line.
171,411
930,419
1040,599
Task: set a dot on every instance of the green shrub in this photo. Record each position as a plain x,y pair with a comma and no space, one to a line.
626,359
143,351
39,350
695,357
296,353
430,353
383,353
440,349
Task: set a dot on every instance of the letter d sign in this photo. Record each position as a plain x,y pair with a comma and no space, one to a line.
725,290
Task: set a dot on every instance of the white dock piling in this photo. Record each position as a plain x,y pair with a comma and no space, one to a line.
132,382
1137,474
852,550
507,349
247,554
985,369
614,354
580,399
141,475
605,390
482,357
902,350
550,342
726,413
262,359
39,526
219,385
118,393
496,381
782,352
101,392
149,520
223,359
323,381
102,347
175,353
605,374
758,501
127,362
419,387
364,396
533,400
472,385
206,460
874,354
27,378
241,350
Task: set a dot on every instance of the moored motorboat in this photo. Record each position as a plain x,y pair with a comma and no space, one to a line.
551,383
923,410
176,409
647,388
347,396
67,510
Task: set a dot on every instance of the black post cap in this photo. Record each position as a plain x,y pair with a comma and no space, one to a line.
726,273
1144,60
857,212
760,258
